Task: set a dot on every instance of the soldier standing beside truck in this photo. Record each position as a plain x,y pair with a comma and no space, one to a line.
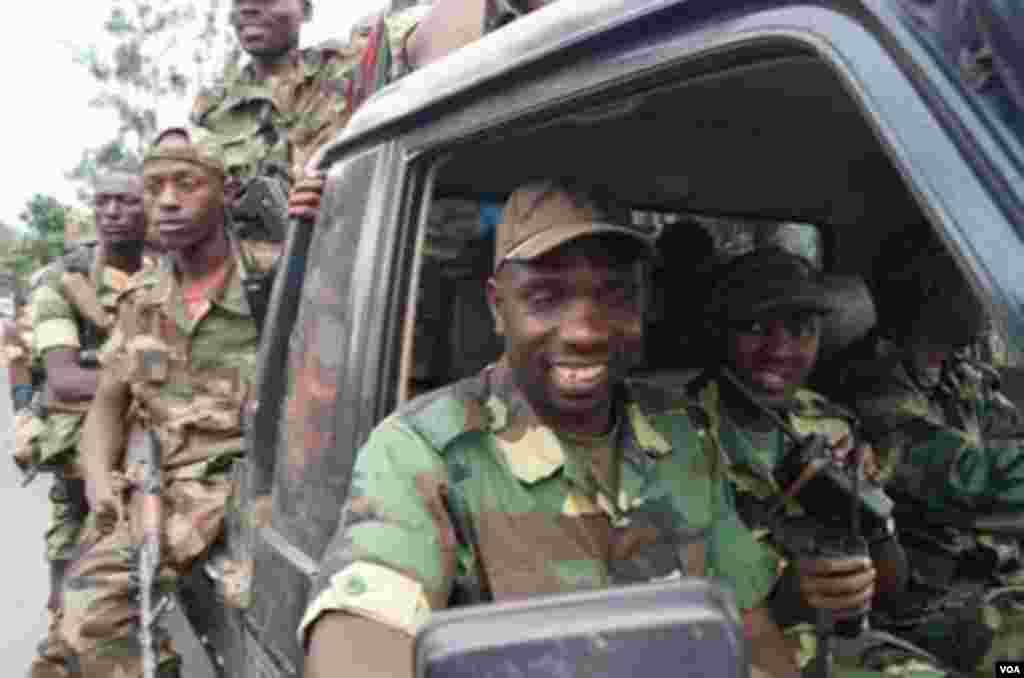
179,364
73,308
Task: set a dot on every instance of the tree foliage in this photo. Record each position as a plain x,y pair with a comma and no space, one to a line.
44,219
159,53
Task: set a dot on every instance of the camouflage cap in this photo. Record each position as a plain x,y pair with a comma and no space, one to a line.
201,150
540,217
765,280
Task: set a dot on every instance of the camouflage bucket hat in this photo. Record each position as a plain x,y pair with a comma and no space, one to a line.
540,217
766,280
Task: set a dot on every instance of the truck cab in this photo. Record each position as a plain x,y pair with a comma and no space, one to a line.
828,126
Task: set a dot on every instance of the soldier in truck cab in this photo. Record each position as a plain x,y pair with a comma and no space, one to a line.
948,446
765,317
544,473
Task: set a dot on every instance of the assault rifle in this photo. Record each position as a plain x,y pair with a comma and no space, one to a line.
260,213
819,484
152,602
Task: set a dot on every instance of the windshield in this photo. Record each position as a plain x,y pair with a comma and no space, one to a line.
983,42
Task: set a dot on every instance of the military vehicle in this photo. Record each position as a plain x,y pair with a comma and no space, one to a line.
856,119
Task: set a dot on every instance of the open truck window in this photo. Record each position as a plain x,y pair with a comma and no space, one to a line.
716,163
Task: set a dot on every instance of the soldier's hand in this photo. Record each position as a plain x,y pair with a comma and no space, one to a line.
304,200
104,503
843,586
843,453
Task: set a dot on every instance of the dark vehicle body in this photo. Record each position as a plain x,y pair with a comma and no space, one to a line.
856,117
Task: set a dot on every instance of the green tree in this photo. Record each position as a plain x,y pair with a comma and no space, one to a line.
159,53
44,217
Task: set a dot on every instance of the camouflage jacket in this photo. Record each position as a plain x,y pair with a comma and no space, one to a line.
57,324
943,453
189,378
464,496
751,459
273,128
941,447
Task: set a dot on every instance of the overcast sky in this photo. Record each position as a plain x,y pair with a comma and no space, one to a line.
47,119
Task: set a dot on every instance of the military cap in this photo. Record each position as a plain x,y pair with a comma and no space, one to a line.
765,280
540,217
201,150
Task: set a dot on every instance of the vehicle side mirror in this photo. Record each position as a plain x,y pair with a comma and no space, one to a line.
677,629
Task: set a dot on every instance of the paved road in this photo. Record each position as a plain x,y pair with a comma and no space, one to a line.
23,586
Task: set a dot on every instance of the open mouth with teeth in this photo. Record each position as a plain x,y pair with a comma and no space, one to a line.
580,379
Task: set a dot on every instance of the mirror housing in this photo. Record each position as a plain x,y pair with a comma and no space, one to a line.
681,628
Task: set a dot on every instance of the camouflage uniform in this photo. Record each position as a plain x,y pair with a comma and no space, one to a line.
273,128
194,406
463,496
58,325
751,459
941,454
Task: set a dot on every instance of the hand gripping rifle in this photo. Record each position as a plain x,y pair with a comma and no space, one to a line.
810,476
152,602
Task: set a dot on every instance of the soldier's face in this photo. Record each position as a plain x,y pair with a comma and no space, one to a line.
774,354
573,326
267,28
184,201
118,208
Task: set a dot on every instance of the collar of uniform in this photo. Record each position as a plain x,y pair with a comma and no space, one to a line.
229,296
309,61
492,403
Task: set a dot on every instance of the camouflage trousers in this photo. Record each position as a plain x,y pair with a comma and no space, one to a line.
974,632
68,509
873,655
98,631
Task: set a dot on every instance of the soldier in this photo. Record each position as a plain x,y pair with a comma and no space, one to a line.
271,116
179,364
765,318
544,473
72,311
944,438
